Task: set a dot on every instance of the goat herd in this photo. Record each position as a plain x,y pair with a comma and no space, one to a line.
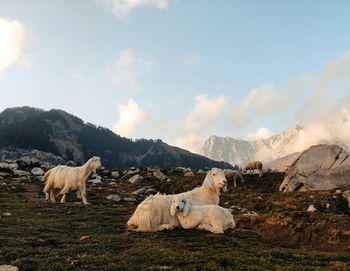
197,208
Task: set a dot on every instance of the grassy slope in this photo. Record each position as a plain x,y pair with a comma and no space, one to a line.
43,236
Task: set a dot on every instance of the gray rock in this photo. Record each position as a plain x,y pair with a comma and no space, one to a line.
189,174
282,164
95,181
115,174
114,197
159,175
20,173
96,176
135,179
311,209
6,214
139,191
24,161
6,267
6,165
130,172
37,171
321,167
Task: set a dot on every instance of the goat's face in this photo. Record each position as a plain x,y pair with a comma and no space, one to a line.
95,163
180,204
219,179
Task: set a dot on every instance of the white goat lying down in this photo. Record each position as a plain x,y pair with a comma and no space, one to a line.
211,218
153,214
69,178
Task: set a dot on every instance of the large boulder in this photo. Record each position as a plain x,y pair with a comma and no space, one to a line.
321,167
282,164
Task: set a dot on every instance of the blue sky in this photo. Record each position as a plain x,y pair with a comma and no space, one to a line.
178,70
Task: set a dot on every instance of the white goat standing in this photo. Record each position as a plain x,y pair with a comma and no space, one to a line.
69,178
211,218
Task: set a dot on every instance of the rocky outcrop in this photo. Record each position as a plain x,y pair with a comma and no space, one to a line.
321,167
282,164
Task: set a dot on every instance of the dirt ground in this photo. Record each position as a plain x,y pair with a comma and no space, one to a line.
274,231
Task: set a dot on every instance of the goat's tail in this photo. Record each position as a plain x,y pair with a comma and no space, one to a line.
47,174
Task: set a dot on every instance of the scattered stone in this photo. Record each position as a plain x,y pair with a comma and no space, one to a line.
201,171
311,208
189,174
20,173
135,179
24,161
139,191
115,174
114,197
159,175
129,199
130,172
112,183
8,268
6,214
95,181
96,176
328,205
37,171
84,237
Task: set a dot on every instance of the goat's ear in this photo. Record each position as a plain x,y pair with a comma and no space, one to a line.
172,208
208,181
187,208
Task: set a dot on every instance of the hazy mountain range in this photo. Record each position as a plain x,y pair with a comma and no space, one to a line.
239,151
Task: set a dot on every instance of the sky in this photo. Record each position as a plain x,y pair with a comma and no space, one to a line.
180,70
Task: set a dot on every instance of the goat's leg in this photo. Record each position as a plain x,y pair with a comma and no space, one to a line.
165,227
63,192
208,227
52,196
83,195
46,191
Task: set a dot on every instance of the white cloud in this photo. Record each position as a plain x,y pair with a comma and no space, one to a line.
261,133
130,117
121,8
337,69
258,104
128,68
192,60
13,36
205,112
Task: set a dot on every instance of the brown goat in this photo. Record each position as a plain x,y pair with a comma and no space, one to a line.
254,165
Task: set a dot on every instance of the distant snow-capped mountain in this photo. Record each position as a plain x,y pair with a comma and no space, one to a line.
239,151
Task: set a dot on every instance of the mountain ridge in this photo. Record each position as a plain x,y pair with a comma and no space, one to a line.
68,136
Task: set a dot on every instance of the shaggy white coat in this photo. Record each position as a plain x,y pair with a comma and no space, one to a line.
211,218
209,193
69,178
153,214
